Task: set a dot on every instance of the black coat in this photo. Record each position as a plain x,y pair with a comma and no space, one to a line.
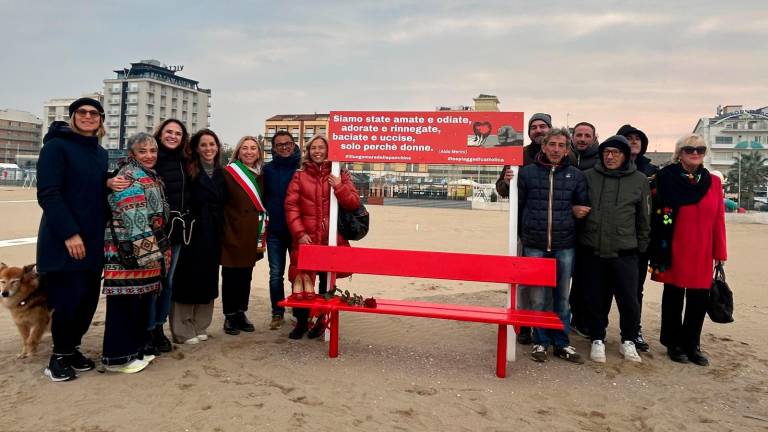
533,185
170,167
645,166
584,160
71,189
529,156
196,280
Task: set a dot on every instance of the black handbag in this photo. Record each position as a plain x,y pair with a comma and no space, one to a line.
353,225
720,309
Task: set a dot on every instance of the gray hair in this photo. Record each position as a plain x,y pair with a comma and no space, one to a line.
558,131
138,139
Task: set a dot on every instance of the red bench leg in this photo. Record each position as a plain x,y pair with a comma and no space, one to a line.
501,352
333,346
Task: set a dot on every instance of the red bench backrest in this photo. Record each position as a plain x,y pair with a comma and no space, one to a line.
434,265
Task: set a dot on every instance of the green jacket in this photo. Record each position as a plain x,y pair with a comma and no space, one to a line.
619,222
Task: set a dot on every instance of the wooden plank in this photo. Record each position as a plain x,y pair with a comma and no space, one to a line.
434,265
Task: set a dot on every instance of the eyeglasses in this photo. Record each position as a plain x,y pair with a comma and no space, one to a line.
611,152
87,113
284,144
702,150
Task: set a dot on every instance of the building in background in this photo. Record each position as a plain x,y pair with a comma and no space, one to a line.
58,109
141,97
301,126
20,135
731,131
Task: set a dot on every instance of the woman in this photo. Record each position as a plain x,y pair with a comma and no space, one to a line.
245,223
137,258
71,189
307,213
197,274
687,239
172,156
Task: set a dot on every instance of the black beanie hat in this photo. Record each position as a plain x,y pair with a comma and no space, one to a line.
628,129
618,142
85,101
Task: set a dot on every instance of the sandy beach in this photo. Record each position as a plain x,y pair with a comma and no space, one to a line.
397,373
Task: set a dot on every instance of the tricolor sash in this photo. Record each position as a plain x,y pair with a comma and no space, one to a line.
247,180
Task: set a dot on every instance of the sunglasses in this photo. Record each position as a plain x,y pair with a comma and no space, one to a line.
691,150
87,113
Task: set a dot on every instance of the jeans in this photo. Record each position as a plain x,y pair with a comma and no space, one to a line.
161,305
125,332
553,299
278,246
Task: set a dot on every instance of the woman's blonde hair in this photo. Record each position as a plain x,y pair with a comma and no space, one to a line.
687,140
236,153
100,132
305,154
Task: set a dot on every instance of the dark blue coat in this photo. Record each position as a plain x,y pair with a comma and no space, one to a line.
569,188
177,186
71,189
277,174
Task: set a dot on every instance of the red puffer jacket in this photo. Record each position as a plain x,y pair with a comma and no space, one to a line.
307,205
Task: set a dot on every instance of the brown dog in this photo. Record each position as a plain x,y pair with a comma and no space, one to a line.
27,303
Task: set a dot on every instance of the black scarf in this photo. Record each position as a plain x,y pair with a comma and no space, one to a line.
671,188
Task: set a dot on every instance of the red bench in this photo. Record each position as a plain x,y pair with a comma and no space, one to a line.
433,265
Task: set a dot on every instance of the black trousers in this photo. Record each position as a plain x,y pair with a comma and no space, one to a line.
609,278
125,329
73,297
642,273
686,333
235,288
302,314
579,286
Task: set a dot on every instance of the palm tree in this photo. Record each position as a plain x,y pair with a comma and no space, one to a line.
754,174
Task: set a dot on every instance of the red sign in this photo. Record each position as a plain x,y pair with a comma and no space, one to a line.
435,137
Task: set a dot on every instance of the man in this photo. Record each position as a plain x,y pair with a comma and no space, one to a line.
584,153
616,231
583,156
286,157
538,126
551,195
638,144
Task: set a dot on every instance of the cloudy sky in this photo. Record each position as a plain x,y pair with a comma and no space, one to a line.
659,65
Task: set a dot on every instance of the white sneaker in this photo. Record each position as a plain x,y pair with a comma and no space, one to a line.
597,354
148,358
202,337
192,341
628,350
131,367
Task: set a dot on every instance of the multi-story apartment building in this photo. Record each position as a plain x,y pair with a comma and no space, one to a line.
731,131
20,134
58,109
141,97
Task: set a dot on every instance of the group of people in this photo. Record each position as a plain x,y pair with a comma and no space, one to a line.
163,227
173,217
609,216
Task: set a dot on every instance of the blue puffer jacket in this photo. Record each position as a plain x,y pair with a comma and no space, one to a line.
546,196
277,174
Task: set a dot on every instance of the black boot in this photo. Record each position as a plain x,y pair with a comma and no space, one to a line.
299,330
159,341
231,324
697,357
243,323
676,354
524,337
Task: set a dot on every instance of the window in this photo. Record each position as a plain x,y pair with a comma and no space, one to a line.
115,88
723,140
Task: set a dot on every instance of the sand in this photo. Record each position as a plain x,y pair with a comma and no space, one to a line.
402,373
